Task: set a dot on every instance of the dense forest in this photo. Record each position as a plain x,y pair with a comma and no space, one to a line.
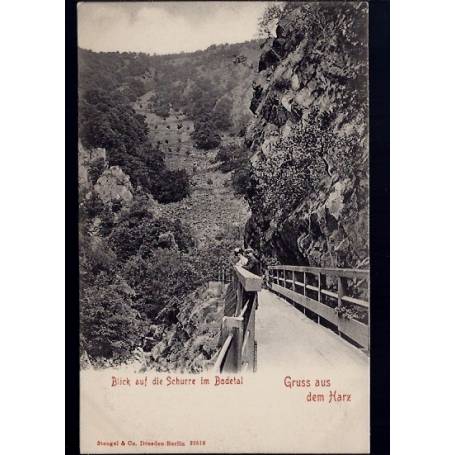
140,266
210,86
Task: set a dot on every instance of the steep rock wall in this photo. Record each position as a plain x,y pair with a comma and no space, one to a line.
309,141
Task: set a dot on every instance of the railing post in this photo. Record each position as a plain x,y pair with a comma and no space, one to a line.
319,286
293,280
233,360
238,307
248,351
238,339
304,284
341,292
369,312
284,278
319,293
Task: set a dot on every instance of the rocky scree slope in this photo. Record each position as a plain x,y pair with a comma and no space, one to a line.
212,211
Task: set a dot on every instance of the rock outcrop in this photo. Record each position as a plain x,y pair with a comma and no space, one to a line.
309,141
86,158
190,341
114,186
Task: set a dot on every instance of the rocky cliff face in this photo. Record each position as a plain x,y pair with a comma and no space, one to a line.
190,341
86,158
309,141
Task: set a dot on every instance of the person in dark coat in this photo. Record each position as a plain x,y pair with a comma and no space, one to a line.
230,299
253,264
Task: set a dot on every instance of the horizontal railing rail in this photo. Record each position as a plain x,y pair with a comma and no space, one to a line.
349,314
328,271
238,345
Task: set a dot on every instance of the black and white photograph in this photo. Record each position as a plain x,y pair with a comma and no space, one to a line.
223,174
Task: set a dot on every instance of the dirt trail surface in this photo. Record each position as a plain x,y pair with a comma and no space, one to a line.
212,206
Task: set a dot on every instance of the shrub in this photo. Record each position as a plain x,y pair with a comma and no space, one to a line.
221,114
91,207
138,233
165,275
241,181
95,169
205,136
173,186
95,257
232,157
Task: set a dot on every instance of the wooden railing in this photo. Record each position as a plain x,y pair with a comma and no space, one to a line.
238,344
307,287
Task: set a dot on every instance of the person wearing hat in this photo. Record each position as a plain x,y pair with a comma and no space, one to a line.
230,300
253,264
242,260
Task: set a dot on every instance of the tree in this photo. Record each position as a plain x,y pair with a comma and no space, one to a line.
173,186
167,274
241,181
221,115
268,21
205,135
109,325
90,206
95,169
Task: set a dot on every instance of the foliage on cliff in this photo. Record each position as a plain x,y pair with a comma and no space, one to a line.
309,188
139,270
108,83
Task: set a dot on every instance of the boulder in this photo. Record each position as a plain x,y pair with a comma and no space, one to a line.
114,186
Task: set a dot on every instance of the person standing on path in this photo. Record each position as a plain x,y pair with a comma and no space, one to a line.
253,264
230,299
